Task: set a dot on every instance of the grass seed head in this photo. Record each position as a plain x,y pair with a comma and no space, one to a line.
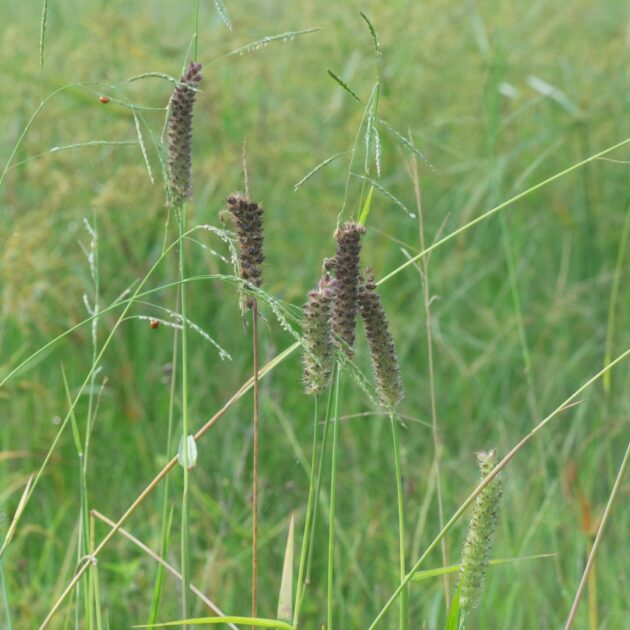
381,342
249,229
180,135
346,267
318,338
478,544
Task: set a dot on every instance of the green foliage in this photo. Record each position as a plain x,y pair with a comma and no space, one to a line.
497,100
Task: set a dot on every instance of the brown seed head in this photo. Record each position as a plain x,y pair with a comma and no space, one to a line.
249,229
381,342
318,338
346,267
180,135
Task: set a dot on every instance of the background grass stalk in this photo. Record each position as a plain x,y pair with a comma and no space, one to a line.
404,597
333,488
614,296
185,533
598,538
426,301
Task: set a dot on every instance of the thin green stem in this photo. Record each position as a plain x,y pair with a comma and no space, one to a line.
320,473
598,538
166,517
255,466
333,488
307,522
185,533
497,469
404,597
426,300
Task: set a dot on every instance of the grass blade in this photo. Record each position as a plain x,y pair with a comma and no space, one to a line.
427,574
285,600
320,166
16,517
257,622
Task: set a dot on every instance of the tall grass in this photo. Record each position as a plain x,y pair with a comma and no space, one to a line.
526,303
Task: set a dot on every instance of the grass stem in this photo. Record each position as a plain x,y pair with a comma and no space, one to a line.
255,473
320,471
185,536
333,488
307,522
404,597
426,300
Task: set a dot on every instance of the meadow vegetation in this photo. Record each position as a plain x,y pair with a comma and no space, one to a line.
494,329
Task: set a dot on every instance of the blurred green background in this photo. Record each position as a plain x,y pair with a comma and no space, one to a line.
498,96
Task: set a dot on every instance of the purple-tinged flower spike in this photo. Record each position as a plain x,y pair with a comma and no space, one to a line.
318,338
346,267
180,135
249,229
382,348
478,545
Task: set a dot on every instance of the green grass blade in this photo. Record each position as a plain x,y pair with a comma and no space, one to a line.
367,205
257,622
427,574
285,599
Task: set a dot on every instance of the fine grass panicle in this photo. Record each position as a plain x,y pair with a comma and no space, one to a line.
478,544
249,228
381,342
346,266
180,135
318,338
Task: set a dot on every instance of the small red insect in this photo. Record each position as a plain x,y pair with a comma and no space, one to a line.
154,323
104,99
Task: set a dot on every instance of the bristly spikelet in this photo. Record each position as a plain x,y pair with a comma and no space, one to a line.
346,266
478,545
381,342
249,229
318,338
180,135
